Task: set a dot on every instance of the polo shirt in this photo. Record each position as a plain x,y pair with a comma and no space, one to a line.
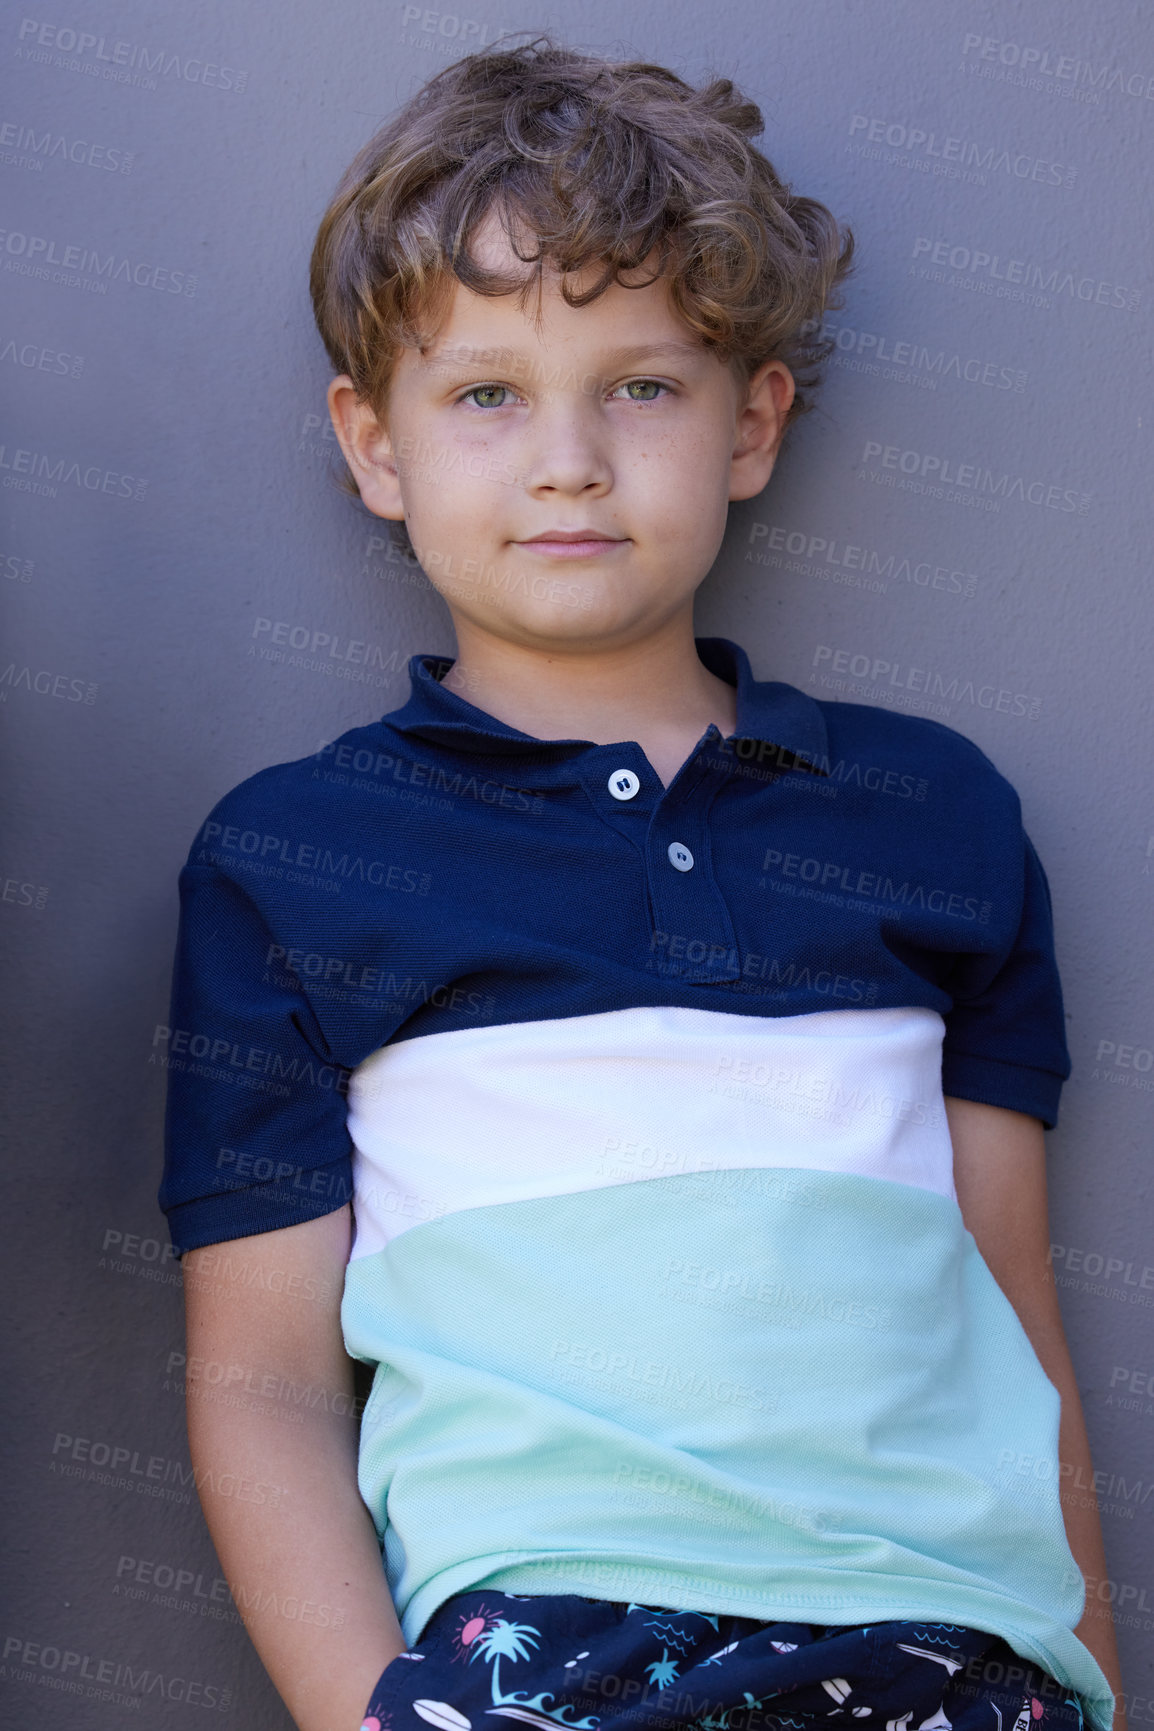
637,1094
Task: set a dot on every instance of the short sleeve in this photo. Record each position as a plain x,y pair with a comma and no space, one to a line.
1005,1039
256,1134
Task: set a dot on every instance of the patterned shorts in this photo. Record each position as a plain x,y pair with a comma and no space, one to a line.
560,1660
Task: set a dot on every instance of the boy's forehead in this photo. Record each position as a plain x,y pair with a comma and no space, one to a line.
624,324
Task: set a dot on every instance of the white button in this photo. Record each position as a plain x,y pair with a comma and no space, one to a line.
623,784
680,856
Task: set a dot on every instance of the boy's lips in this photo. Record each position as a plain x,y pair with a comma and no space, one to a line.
572,543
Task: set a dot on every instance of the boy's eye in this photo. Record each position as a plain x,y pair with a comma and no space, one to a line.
649,385
485,395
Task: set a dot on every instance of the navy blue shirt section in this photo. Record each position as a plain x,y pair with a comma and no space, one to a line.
439,870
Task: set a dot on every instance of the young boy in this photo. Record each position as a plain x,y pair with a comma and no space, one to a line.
680,1045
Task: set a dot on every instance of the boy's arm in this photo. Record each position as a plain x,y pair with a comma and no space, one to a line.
1000,1177
277,1475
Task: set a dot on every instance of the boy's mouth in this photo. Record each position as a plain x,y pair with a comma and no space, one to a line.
572,543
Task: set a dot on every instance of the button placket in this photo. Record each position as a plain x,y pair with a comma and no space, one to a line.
693,931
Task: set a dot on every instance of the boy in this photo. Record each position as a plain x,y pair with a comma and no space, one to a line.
665,1032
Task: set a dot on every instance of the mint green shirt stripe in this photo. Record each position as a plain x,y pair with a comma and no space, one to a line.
804,1399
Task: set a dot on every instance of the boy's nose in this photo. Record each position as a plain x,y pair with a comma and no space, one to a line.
566,453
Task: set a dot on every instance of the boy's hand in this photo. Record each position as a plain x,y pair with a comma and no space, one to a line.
273,1435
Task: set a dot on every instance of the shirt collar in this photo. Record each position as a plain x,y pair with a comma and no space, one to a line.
767,710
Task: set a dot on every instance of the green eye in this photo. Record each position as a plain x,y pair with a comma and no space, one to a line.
481,391
651,385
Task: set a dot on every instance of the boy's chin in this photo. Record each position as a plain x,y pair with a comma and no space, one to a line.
561,626
543,630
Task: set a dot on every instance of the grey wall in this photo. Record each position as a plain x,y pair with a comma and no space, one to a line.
164,478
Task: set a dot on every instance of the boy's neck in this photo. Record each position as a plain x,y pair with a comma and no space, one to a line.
656,692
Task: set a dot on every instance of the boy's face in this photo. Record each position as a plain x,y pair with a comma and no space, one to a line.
611,419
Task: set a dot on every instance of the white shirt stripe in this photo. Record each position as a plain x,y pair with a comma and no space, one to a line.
529,1109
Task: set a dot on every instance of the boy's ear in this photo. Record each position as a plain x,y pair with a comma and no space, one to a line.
761,421
367,448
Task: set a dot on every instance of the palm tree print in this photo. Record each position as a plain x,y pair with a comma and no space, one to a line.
504,1640
662,1672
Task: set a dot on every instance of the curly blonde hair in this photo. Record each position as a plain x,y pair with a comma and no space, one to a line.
604,162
